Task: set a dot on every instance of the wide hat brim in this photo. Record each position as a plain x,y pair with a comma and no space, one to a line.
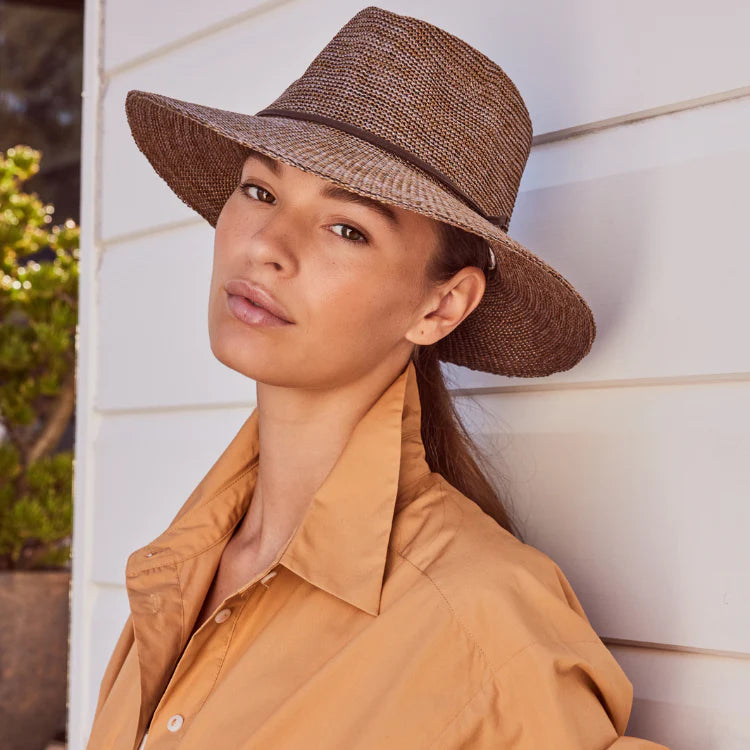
530,322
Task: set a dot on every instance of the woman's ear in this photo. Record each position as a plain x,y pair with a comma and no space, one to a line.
447,305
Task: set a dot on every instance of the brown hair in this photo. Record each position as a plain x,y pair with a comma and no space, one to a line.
449,448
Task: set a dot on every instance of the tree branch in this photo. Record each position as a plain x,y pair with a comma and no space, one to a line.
58,421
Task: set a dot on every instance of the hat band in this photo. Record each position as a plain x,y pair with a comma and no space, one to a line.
500,221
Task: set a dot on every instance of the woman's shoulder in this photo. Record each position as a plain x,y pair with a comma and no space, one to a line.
507,593
544,658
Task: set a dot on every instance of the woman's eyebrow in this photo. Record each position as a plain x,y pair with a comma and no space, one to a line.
272,164
339,193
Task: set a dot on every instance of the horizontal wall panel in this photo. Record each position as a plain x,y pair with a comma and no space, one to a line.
660,256
640,494
684,50
154,349
688,701
676,138
147,466
168,25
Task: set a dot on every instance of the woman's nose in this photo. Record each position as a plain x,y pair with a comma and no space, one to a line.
274,239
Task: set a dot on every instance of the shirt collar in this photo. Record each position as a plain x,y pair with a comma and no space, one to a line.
341,543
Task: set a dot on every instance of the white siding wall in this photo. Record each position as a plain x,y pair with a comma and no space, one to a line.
631,470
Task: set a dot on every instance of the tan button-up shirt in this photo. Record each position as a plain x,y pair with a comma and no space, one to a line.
398,616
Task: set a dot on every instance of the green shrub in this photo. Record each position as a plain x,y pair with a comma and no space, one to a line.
38,319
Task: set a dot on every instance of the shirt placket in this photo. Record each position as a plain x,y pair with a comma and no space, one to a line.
202,660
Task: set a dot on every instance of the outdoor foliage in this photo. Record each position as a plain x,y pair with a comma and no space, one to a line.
38,318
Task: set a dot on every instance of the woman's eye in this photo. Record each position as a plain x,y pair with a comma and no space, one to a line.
350,233
260,191
261,194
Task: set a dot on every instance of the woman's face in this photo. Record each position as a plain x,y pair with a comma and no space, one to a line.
349,273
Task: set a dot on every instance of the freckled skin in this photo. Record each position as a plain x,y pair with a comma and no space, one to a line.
356,306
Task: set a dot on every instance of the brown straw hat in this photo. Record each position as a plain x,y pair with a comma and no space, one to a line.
399,110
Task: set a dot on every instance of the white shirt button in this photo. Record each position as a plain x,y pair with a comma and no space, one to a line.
223,615
174,723
268,577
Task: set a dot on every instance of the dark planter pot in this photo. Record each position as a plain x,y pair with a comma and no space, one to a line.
35,621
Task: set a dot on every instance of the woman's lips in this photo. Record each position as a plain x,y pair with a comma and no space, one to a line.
251,314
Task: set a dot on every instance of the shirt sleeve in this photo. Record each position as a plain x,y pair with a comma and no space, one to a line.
549,696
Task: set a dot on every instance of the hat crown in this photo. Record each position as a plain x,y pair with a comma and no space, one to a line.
424,90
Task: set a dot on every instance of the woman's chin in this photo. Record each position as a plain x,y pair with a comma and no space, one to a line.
255,358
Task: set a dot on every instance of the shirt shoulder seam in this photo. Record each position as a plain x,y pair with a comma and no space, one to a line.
493,671
453,612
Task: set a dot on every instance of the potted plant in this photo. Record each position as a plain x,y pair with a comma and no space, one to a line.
38,318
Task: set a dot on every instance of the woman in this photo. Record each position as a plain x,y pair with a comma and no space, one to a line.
345,576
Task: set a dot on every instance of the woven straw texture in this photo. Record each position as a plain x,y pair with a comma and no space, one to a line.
399,110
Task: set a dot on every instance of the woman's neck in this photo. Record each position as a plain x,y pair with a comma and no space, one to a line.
301,436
